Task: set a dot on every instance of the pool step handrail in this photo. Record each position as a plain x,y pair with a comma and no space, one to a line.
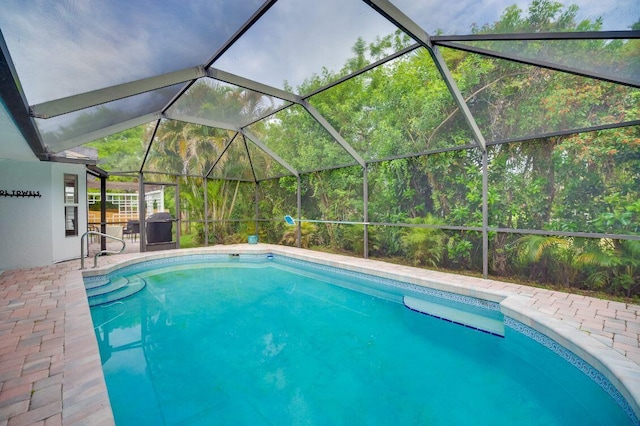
100,253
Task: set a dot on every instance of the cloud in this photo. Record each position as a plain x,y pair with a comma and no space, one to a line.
457,17
297,38
61,49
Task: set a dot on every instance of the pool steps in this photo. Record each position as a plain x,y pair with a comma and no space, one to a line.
107,290
456,316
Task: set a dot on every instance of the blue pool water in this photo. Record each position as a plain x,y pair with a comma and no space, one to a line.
230,342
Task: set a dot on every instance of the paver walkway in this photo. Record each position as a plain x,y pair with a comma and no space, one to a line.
50,370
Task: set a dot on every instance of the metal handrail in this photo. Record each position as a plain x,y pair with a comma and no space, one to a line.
100,253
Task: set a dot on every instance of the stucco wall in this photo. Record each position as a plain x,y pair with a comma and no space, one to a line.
32,228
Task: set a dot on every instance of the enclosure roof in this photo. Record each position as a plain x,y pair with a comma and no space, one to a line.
75,73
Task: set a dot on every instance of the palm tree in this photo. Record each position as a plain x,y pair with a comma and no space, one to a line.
552,258
424,246
617,264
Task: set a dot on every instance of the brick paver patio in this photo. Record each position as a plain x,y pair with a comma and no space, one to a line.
50,369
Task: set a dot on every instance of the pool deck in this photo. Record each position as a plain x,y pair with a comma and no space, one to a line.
50,370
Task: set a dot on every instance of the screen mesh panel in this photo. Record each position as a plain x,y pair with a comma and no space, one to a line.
400,108
298,40
67,47
295,136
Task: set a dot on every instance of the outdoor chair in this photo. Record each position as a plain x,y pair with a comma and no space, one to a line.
132,229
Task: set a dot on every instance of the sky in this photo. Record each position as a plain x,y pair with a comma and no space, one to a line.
296,38
63,48
457,17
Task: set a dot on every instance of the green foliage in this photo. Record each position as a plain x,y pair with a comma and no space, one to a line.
385,241
424,246
352,239
553,258
308,235
98,205
606,264
617,264
190,241
459,252
122,151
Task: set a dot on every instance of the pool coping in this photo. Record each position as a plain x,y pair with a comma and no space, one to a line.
621,371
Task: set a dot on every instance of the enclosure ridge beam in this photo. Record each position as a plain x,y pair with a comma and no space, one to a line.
333,132
234,79
215,163
542,64
86,161
457,95
267,114
201,121
151,139
566,132
105,131
243,29
108,94
423,153
402,21
257,142
253,170
363,70
569,35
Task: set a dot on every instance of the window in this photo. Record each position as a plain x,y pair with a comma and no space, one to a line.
71,220
70,189
70,211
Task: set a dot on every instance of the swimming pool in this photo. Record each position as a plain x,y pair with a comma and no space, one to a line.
255,340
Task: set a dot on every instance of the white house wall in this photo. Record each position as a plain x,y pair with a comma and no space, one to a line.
32,229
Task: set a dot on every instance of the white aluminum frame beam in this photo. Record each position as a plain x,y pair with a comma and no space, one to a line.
457,96
554,66
151,140
105,131
402,21
201,121
267,114
234,79
108,94
243,29
257,142
333,132
569,35
224,150
253,172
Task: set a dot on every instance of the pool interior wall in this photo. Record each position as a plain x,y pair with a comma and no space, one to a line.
393,286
